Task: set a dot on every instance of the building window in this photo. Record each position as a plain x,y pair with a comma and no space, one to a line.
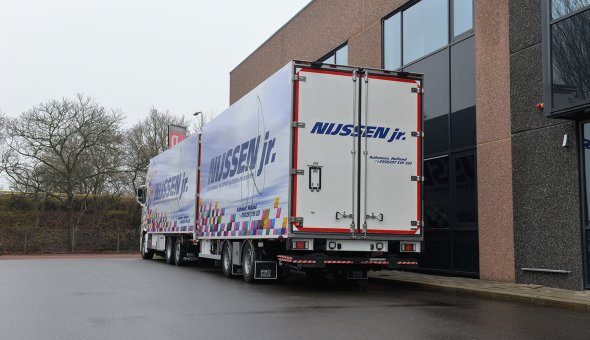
436,37
392,35
566,56
339,56
560,8
462,16
424,27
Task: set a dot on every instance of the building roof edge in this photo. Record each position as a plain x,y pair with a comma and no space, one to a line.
273,35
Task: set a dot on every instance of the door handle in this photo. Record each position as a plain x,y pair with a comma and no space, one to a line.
377,217
343,214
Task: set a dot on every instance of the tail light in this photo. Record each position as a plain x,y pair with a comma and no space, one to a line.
409,247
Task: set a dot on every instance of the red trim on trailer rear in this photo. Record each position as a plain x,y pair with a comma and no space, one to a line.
295,154
324,230
295,150
419,165
296,143
347,230
392,79
337,73
418,183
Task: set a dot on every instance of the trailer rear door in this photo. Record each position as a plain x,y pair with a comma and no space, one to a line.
391,165
357,153
325,195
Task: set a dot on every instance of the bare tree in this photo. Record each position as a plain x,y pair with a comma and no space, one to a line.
145,140
63,148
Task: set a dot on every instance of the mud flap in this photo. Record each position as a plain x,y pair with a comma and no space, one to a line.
265,270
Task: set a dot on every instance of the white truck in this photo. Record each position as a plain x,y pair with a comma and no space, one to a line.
318,169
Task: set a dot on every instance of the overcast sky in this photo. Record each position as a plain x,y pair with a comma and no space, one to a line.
131,54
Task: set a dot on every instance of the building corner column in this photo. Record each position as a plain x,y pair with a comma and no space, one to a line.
494,142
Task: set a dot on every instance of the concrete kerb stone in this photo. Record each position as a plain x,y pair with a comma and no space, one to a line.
512,292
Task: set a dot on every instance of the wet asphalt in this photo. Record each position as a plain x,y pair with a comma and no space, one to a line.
129,298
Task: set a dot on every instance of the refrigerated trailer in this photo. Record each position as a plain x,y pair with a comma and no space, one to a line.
318,169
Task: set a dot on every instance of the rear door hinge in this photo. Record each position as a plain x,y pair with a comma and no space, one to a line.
299,78
300,125
296,219
417,223
297,172
418,134
418,90
417,178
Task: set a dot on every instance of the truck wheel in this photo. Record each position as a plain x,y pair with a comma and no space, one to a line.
145,253
226,260
178,253
170,250
248,259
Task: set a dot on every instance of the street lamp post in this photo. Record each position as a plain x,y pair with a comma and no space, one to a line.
202,122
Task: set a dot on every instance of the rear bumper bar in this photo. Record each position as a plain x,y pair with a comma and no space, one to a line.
323,261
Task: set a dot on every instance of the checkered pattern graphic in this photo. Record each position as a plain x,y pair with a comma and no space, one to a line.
158,222
219,222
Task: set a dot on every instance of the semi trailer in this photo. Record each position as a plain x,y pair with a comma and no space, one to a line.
318,169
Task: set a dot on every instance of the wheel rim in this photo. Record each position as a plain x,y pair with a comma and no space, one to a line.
143,245
248,260
169,250
177,255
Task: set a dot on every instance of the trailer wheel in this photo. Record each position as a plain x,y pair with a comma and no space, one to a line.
170,250
178,252
145,253
226,259
248,259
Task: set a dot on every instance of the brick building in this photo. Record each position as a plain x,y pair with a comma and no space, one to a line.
505,192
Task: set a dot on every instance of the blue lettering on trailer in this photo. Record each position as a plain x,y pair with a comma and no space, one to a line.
378,132
241,158
171,187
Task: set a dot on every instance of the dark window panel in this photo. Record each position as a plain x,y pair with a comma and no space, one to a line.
463,128
436,102
342,55
392,42
438,251
466,251
465,194
436,83
587,166
462,16
560,8
570,55
463,75
425,29
437,193
587,232
437,130
463,94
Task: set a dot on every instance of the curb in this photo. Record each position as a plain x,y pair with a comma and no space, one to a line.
538,300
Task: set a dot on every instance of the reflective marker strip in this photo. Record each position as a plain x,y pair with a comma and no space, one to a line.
337,262
289,259
375,262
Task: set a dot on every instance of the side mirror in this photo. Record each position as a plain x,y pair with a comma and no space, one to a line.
141,196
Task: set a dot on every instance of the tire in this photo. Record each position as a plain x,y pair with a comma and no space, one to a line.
145,253
178,253
170,250
226,264
248,260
